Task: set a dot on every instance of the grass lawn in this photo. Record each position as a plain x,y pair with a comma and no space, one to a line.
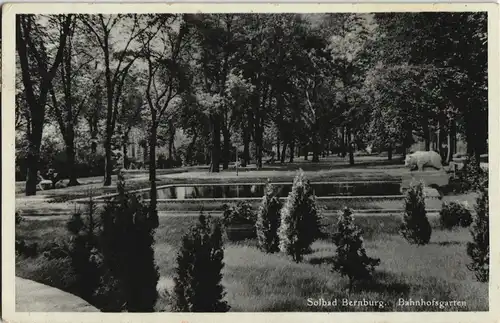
256,281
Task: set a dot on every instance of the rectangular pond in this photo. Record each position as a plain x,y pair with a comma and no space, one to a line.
224,191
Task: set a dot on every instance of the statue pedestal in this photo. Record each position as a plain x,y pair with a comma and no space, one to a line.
430,178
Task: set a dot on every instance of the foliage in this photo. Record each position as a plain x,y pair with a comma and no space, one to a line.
268,221
127,240
472,176
238,213
198,276
479,248
454,214
300,222
350,258
416,227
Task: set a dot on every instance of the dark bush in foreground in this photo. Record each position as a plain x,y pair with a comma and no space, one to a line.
479,249
454,214
300,223
416,228
198,276
23,248
127,240
268,221
350,258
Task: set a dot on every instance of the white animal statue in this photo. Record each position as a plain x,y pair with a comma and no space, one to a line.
423,158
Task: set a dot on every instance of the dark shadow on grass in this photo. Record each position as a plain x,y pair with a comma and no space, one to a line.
385,283
447,243
320,260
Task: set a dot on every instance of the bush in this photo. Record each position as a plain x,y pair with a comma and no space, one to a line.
268,221
350,258
26,249
198,276
416,228
300,223
471,176
454,214
84,243
127,240
479,249
21,247
18,218
239,213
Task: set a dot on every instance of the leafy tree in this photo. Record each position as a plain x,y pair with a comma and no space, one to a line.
416,227
115,62
198,276
268,221
456,57
164,52
300,219
38,69
350,257
350,37
479,248
70,93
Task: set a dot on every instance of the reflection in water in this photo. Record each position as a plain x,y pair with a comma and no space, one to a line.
232,191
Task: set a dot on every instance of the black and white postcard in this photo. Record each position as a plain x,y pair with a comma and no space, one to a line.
203,162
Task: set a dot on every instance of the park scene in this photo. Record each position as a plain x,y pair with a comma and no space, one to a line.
332,162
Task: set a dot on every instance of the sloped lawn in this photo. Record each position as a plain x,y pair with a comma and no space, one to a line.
256,281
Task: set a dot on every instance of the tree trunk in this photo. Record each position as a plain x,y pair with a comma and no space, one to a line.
343,145
108,163
33,157
389,153
246,147
227,148
306,152
32,163
125,153
451,141
283,152
350,147
316,148
189,151
153,194
70,152
278,152
292,148
258,146
215,155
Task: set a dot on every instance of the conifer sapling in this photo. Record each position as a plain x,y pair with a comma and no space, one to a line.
350,258
300,223
198,286
268,221
479,248
416,228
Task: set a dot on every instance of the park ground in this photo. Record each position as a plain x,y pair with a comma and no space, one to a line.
256,281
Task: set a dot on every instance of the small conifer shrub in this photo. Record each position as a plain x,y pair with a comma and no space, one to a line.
198,286
300,223
127,240
479,248
416,228
268,221
350,258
